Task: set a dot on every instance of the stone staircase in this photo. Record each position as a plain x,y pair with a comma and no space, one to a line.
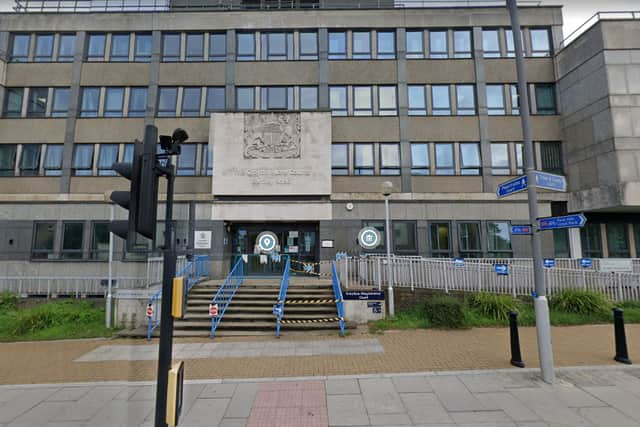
251,310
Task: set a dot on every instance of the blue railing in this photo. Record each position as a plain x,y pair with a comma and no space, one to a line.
278,308
194,272
226,292
337,293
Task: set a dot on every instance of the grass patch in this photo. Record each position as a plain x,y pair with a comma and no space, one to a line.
53,320
413,318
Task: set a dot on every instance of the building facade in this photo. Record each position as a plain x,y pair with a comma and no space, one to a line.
423,97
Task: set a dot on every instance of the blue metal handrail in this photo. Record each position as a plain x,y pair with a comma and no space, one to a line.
337,293
278,308
226,292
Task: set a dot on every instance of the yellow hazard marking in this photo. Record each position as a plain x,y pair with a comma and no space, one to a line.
311,301
324,320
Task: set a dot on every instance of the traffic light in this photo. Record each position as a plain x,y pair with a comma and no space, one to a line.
142,199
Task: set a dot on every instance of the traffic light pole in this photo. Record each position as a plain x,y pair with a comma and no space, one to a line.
166,320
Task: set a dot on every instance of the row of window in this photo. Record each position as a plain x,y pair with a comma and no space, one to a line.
617,236
360,100
91,159
439,158
275,46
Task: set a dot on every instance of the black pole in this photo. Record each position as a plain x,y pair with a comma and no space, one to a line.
166,320
516,357
622,354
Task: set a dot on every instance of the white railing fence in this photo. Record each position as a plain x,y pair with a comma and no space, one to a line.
66,286
154,269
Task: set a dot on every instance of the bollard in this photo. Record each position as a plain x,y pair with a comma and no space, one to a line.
516,357
622,354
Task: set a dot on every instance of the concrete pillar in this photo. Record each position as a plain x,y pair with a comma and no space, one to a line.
230,72
323,69
483,116
575,244
403,111
154,78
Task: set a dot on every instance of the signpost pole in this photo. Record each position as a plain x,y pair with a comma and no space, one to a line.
388,243
541,305
108,309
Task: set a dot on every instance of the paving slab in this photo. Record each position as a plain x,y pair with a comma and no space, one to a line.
607,416
454,395
242,401
343,386
347,410
411,384
425,408
380,396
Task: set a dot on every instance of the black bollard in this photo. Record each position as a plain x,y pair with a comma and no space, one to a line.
622,354
516,357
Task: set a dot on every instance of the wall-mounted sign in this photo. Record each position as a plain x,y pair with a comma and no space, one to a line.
458,262
616,265
327,243
549,262
202,239
369,238
586,262
363,295
501,269
267,241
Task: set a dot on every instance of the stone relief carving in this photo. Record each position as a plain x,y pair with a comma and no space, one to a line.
272,136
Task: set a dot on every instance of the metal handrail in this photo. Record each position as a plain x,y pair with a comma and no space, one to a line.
278,308
226,293
337,293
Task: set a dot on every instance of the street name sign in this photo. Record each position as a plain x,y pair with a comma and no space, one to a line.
521,230
567,221
544,180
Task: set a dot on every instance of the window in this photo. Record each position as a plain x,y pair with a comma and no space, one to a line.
215,99
519,159
378,225
466,100
90,102
470,158
120,47
545,99
551,156
387,105
170,47
540,43
276,98
495,100
13,102
187,160
515,100
7,159
207,160
30,159
44,236
72,240
404,237
167,101
339,159
99,241
191,101
38,97
491,43
417,100
20,48
386,45
511,47
142,48
338,45
217,47
137,102
276,46
44,48
415,44
66,48
591,240
53,160
308,97
440,102
561,247
636,232
308,45
499,244
361,44
618,240
462,44
114,102
389,159
195,47
438,45
469,239
363,164
246,47
60,106
245,98
500,159
440,239
362,101
82,160
420,159
96,47
128,153
107,156
338,100
444,159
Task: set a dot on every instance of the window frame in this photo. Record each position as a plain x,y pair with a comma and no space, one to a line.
192,111
300,96
119,110
439,54
101,47
57,171
387,111
557,169
266,44
437,110
66,57
212,55
461,53
95,253
57,110
420,169
380,54
103,171
183,169
211,91
32,111
413,227
124,56
87,170
30,171
66,253
49,56
246,56
132,112
618,253
11,92
445,170
170,56
587,250
470,169
336,168
500,169
364,169
339,111
465,111
267,94
388,167
495,252
489,52
548,51
419,110
552,89
253,98
496,110
12,150
337,54
435,249
167,112
93,112
414,54
362,110
207,160
22,56
464,251
49,252
303,54
361,54
138,54
198,56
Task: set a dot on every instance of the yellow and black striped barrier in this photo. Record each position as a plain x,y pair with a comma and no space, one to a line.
311,301
324,320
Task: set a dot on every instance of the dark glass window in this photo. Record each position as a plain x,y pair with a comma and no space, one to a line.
440,239
404,237
415,44
171,47
217,47
363,164
246,47
500,159
96,47
420,158
167,101
66,48
195,47
618,240
499,235
276,98
438,45
187,160
417,100
245,98
308,97
540,42
191,101
308,45
470,158
119,47
440,101
387,104
72,240
99,241
30,159
591,240
90,102
466,100
143,47
340,159
551,156
20,48
215,99
13,102
7,159
60,106
545,99
469,239
386,44
43,239
338,45
362,100
53,160
107,156
491,43
389,159
462,44
276,46
378,225
338,100
207,160
44,48
445,164
495,100
137,102
114,102
561,243
38,97
82,160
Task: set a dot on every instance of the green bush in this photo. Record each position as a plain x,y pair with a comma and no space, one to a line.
580,302
8,301
445,312
494,306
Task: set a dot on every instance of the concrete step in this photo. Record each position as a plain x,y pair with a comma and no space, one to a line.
252,325
264,309
259,316
193,302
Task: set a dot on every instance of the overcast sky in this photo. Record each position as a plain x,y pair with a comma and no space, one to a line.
575,12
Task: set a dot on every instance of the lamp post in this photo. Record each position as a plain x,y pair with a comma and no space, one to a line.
386,189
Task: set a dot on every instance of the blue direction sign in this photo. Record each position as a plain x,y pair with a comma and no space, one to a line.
512,186
567,221
586,262
549,262
544,180
520,230
458,262
501,269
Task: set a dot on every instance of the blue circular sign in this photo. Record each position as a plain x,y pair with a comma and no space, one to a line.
267,241
369,238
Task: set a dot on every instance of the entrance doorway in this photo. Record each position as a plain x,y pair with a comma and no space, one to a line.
297,240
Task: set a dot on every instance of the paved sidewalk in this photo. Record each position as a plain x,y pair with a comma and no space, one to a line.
587,396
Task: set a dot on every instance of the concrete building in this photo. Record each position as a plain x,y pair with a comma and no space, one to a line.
297,111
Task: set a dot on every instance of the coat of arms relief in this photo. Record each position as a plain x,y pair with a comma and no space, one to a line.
272,136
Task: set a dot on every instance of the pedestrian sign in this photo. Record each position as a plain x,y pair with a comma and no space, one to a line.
586,262
544,180
549,262
521,230
501,269
567,221
458,262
